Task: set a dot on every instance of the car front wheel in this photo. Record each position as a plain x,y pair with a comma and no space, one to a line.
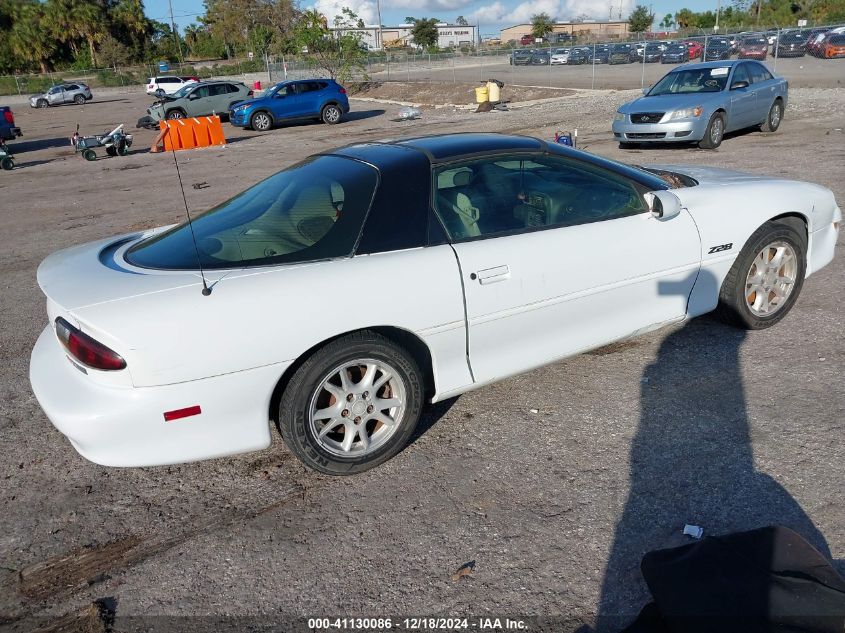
331,114
352,405
714,133
766,278
261,121
175,114
42,103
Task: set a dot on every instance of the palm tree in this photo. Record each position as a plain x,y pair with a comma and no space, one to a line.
28,39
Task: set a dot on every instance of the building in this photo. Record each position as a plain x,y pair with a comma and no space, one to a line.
448,35
597,29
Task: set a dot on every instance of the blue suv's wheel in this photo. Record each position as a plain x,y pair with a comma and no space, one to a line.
331,114
261,121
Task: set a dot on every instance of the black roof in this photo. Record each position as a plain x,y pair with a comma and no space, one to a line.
450,146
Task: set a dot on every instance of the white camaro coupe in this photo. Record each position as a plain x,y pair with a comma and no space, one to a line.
337,296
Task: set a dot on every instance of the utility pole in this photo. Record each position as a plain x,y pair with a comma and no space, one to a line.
175,32
380,34
718,11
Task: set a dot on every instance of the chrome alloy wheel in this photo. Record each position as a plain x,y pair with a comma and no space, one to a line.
716,131
774,116
771,279
358,406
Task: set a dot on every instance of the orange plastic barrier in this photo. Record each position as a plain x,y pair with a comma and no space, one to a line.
191,133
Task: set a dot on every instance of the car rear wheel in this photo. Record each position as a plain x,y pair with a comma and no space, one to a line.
42,103
89,154
7,163
352,405
772,122
766,278
331,114
79,99
714,133
175,114
261,121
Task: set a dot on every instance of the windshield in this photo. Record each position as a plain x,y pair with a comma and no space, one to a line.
792,37
184,90
718,43
755,41
313,210
692,80
676,48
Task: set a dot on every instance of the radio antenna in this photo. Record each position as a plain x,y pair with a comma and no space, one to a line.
205,289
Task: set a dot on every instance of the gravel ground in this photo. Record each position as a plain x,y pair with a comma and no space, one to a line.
554,483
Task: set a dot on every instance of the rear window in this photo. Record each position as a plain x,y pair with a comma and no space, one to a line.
838,40
313,210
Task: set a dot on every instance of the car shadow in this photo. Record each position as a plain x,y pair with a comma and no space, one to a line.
35,145
691,461
693,145
361,115
430,416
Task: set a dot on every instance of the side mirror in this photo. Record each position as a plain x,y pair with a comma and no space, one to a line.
663,205
193,96
159,92
739,84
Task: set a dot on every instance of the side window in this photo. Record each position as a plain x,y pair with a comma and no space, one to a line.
284,91
759,73
512,194
71,87
216,90
202,92
231,88
741,74
169,80
55,90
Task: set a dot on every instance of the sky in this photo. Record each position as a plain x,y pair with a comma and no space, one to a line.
490,15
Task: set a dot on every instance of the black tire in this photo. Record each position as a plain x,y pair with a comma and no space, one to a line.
714,133
79,100
733,301
331,114
89,154
774,117
175,113
123,149
306,386
111,151
7,163
42,103
261,121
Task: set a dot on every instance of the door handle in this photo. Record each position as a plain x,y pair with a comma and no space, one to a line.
492,275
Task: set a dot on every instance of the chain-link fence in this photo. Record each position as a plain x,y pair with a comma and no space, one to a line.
798,54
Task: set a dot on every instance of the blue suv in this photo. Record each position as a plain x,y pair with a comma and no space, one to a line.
322,99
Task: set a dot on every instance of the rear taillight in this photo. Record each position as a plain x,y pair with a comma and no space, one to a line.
343,91
86,350
10,118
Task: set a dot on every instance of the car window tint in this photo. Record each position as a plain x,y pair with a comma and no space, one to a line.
169,80
230,88
741,74
759,73
202,92
492,196
311,211
71,87
284,91
217,90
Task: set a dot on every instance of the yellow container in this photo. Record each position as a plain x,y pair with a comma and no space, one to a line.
481,94
493,91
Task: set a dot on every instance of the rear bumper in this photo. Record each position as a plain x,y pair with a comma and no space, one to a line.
674,132
124,426
10,133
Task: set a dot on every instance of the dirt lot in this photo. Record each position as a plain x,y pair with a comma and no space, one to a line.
555,482
432,94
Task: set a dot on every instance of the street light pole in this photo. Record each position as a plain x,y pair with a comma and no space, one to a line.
380,34
718,11
175,33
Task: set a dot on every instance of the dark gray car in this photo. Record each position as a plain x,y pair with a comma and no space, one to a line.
77,93
199,99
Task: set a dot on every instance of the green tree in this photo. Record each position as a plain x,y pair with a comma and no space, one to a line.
409,19
424,32
337,53
668,21
541,25
28,40
640,19
461,21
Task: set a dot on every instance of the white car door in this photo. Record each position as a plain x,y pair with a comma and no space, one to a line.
558,256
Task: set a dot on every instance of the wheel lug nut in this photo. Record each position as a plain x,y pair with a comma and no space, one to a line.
357,419
350,397
370,409
345,413
366,394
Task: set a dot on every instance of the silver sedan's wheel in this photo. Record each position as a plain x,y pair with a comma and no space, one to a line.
352,404
766,277
771,278
357,407
261,121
